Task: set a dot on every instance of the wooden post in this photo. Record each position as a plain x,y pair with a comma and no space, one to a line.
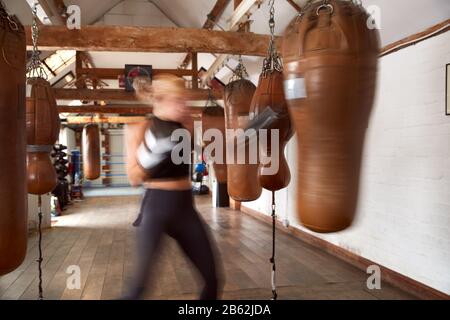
194,70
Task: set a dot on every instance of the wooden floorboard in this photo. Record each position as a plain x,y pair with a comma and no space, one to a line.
96,235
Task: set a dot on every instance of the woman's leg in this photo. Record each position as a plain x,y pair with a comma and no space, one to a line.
192,237
148,238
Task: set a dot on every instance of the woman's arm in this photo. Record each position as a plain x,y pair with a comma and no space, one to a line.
134,135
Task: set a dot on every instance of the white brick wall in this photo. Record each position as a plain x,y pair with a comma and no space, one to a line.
403,220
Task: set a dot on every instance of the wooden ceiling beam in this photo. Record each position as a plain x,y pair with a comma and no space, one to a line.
108,119
114,73
151,39
120,95
211,19
134,109
243,9
294,5
104,119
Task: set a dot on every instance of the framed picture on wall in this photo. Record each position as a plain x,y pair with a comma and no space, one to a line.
447,90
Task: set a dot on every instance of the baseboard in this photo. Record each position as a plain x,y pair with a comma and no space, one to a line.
392,277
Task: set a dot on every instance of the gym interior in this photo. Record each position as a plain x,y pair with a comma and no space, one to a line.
357,208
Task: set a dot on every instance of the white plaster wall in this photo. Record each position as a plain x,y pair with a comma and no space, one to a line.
33,211
403,220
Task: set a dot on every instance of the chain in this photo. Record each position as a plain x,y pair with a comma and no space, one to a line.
35,69
240,72
272,259
40,259
273,60
211,100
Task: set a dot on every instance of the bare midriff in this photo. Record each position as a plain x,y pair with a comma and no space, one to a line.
169,184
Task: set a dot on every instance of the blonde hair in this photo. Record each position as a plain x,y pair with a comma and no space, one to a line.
161,85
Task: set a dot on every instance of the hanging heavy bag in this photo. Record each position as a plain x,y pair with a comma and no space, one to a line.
270,94
243,182
91,151
214,118
13,192
42,133
330,60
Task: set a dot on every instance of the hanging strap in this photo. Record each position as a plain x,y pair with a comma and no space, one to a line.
40,258
272,259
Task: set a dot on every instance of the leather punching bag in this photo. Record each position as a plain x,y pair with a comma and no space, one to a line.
42,133
243,182
330,58
270,93
91,152
214,118
13,191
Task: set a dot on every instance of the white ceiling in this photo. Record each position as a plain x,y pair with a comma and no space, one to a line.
399,19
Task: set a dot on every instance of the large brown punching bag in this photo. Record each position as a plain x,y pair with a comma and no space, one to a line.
243,182
42,133
91,151
270,93
214,118
330,59
13,190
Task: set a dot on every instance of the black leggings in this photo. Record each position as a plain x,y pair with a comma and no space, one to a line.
173,213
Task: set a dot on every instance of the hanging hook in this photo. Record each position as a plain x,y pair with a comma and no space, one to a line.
273,60
240,72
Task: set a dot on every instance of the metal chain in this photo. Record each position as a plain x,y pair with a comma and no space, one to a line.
211,100
240,72
35,68
273,60
272,259
40,259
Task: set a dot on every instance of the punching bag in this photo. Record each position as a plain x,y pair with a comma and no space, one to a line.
269,93
214,118
13,194
243,182
42,133
330,58
91,151
13,189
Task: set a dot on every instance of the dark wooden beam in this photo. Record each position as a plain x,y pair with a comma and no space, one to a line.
119,109
295,5
105,119
194,70
119,94
114,73
435,30
151,39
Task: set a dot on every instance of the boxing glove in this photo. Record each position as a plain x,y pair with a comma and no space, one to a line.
154,153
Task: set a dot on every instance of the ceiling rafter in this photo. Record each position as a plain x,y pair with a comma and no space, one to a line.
151,39
212,17
241,15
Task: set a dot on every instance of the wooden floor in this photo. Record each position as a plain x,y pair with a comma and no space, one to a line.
97,235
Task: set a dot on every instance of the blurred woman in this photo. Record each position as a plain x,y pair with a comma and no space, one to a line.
167,206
